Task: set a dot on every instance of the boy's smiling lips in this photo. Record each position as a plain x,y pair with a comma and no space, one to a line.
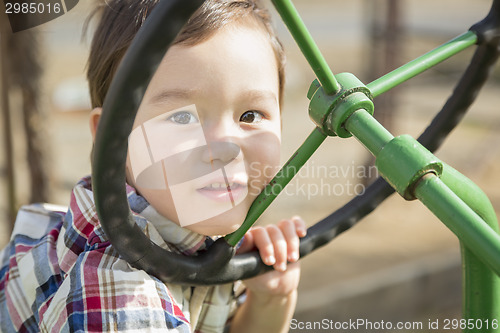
231,189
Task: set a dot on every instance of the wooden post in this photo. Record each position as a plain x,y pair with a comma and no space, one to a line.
7,130
27,71
385,29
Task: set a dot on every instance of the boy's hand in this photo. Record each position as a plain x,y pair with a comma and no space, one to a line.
271,297
277,245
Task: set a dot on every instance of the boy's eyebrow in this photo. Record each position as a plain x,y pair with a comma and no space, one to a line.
173,93
260,94
189,93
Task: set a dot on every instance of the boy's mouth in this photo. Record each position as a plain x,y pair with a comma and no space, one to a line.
221,191
221,186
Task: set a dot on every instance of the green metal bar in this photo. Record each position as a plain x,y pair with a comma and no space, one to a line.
368,131
422,63
307,45
481,239
278,183
464,202
477,230
464,208
481,287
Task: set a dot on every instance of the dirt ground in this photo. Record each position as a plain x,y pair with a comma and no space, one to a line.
398,232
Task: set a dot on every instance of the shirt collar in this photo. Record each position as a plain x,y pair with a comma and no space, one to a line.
83,225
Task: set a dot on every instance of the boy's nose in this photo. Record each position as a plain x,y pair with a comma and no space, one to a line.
222,151
221,136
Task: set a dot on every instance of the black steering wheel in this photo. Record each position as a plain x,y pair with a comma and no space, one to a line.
218,264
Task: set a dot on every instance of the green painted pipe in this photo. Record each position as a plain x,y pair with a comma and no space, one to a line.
307,45
278,183
481,286
368,131
422,63
480,238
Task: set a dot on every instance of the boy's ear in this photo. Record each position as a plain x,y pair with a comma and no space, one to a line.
95,115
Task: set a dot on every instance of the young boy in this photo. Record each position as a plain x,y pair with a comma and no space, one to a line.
207,130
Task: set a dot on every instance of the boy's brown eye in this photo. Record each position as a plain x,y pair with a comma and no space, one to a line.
251,117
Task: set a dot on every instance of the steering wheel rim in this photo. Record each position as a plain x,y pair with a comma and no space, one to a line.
217,265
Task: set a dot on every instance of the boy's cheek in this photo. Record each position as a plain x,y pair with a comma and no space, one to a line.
263,148
262,157
162,202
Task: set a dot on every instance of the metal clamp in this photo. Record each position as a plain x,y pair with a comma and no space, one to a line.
404,161
330,112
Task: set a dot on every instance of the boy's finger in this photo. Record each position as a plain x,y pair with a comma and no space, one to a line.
263,242
280,247
300,225
292,240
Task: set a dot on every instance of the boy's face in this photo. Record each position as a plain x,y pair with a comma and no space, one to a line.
206,137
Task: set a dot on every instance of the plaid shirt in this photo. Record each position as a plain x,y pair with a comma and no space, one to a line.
59,273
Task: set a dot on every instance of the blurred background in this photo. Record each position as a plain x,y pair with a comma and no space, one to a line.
399,263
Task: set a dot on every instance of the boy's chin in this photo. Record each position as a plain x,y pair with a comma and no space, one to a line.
220,225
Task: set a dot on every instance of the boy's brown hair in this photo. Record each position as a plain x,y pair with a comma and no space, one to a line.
120,21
